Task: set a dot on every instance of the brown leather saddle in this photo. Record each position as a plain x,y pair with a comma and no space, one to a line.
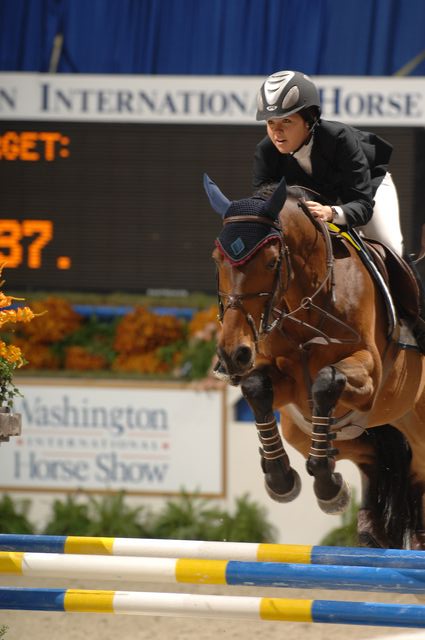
400,279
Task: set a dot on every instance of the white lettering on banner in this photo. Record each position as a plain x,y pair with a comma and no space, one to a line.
132,439
200,99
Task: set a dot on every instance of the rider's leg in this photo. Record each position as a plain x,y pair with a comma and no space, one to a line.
385,227
385,222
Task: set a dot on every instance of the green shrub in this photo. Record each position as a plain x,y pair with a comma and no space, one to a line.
68,517
248,524
188,518
110,516
14,516
346,534
184,517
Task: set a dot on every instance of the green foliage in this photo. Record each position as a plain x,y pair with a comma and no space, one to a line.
197,358
112,515
248,524
69,517
187,518
95,335
3,630
14,516
346,534
8,390
193,518
184,517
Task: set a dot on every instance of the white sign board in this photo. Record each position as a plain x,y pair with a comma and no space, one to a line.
378,101
143,440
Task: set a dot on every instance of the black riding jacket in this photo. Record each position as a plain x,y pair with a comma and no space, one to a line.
348,166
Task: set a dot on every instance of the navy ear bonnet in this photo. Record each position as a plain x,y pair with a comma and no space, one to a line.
239,241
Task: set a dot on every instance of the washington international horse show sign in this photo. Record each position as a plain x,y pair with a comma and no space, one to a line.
99,437
377,101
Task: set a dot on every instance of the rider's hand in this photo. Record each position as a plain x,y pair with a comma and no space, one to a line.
320,211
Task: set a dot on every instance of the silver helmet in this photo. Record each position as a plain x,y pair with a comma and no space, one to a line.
284,93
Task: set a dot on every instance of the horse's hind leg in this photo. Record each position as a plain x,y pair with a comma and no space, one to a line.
282,483
332,493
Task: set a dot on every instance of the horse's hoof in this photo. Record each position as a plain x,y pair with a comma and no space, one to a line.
340,502
290,495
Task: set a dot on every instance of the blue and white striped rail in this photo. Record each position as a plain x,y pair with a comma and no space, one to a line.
199,571
244,551
211,606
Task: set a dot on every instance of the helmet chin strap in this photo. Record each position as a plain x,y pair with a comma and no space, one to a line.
307,140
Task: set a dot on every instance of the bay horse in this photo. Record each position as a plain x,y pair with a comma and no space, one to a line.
304,331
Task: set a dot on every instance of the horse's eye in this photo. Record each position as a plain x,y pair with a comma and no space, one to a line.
271,265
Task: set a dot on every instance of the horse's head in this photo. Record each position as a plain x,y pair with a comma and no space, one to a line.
248,254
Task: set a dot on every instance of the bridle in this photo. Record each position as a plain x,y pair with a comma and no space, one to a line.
235,300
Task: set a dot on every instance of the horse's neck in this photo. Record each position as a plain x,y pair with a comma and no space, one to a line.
307,250
303,238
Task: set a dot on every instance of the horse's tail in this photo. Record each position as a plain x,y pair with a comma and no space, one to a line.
396,510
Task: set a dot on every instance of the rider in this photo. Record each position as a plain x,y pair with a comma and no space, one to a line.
347,166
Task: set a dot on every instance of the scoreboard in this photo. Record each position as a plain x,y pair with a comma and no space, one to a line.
106,206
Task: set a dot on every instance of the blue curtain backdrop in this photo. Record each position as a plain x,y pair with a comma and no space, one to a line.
231,37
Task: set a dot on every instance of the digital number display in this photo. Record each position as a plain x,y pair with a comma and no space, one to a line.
12,234
106,206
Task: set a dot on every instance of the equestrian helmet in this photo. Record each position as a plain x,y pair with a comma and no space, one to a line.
284,93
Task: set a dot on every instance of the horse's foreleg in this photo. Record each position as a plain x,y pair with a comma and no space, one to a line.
282,483
333,494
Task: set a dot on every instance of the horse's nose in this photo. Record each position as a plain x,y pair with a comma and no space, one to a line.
242,356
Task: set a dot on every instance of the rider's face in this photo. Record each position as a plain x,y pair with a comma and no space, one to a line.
288,134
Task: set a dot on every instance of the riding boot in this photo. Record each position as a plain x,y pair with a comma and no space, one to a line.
418,326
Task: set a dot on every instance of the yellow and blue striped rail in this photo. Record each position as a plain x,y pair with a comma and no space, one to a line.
244,551
212,606
219,572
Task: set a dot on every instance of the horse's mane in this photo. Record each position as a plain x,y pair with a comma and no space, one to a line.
295,191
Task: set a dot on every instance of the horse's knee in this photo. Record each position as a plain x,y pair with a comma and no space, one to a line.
327,388
257,389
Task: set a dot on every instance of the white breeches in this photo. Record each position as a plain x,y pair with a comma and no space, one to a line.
385,222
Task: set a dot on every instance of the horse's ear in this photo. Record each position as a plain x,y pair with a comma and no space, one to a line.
274,204
218,201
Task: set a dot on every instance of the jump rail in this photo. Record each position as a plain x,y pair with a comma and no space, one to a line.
244,551
211,606
230,572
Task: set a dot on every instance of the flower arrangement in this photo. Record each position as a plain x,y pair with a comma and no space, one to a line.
11,357
140,342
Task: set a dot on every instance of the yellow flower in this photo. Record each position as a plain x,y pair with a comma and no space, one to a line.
23,314
11,354
6,301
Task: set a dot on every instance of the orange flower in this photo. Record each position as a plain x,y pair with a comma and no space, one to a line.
79,359
142,332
